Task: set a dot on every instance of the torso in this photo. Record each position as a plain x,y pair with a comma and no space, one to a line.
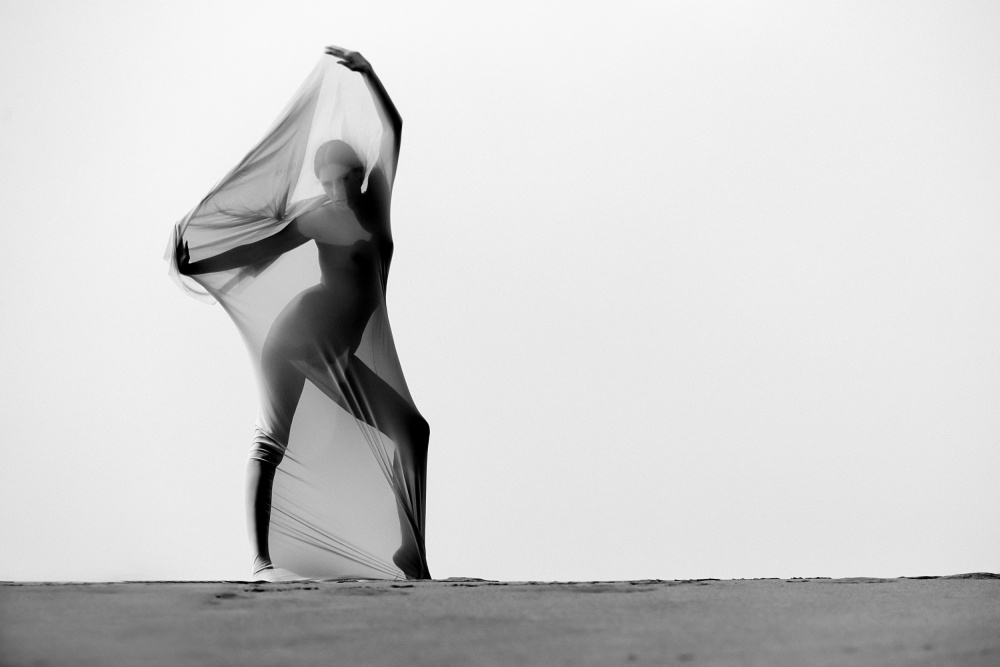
355,248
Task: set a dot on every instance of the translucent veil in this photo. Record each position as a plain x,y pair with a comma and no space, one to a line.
341,500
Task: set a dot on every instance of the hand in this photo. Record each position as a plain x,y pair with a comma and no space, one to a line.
352,60
183,255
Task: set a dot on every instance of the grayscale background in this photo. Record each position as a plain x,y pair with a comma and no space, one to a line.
684,289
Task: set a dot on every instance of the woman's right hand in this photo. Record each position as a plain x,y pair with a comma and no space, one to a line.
183,255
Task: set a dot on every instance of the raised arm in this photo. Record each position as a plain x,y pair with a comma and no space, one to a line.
392,122
277,244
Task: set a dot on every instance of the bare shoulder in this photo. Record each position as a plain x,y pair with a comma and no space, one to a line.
311,216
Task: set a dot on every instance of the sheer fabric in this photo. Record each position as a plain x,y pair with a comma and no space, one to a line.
348,495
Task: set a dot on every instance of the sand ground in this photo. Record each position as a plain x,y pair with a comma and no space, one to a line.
800,622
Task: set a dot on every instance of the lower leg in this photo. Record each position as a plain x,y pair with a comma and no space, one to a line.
409,467
259,485
281,391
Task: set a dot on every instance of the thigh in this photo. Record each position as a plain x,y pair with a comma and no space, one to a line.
280,392
294,336
318,323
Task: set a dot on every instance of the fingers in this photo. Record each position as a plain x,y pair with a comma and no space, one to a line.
352,60
353,65
338,52
350,56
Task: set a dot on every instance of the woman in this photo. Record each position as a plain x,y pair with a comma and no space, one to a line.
317,334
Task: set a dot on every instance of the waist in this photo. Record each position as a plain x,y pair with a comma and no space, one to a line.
334,277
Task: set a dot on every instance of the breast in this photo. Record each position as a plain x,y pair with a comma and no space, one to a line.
333,226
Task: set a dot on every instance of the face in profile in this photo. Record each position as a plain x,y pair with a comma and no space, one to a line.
342,183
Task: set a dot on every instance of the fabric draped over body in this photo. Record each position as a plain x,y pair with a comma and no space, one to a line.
343,497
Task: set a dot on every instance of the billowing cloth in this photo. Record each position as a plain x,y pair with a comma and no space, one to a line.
348,495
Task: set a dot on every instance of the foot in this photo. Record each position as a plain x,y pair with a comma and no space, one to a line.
276,574
408,559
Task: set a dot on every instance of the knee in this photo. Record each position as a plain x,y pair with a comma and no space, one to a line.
267,449
419,430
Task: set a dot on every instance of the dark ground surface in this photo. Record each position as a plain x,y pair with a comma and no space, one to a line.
801,622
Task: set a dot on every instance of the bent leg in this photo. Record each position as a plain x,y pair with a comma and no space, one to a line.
375,402
347,381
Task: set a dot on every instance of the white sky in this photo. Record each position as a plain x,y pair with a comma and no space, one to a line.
685,290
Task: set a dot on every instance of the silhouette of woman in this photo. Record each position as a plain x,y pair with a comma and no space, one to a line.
316,335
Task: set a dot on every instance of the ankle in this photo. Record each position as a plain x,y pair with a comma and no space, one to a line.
260,564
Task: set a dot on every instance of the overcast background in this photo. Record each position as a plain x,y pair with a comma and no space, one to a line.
684,290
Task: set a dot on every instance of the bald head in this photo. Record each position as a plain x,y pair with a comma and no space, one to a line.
338,153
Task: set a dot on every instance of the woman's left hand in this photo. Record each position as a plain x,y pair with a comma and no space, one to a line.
352,60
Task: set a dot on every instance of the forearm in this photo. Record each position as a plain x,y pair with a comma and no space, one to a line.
383,102
392,122
231,259
245,255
